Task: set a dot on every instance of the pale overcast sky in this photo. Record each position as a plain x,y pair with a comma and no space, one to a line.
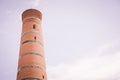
81,38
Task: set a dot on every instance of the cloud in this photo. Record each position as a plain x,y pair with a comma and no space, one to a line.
102,67
9,12
34,3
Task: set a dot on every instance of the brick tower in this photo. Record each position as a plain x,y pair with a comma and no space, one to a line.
31,65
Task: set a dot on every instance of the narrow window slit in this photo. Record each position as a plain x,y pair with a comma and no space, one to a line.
35,37
43,76
34,26
18,73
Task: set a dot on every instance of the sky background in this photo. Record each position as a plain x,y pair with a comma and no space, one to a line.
81,38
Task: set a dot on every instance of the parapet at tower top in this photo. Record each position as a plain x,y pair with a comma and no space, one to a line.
31,13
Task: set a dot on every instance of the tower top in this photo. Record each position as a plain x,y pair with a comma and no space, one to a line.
31,13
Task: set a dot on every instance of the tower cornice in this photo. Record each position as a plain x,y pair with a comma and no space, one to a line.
32,13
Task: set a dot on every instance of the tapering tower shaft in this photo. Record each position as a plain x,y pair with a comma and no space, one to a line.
31,65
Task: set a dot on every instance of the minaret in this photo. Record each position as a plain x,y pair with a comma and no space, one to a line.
31,65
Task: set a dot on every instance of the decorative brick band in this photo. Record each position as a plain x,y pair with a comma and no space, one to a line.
31,66
35,32
31,53
32,19
26,41
31,79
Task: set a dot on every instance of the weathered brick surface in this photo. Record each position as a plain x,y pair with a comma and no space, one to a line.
31,62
